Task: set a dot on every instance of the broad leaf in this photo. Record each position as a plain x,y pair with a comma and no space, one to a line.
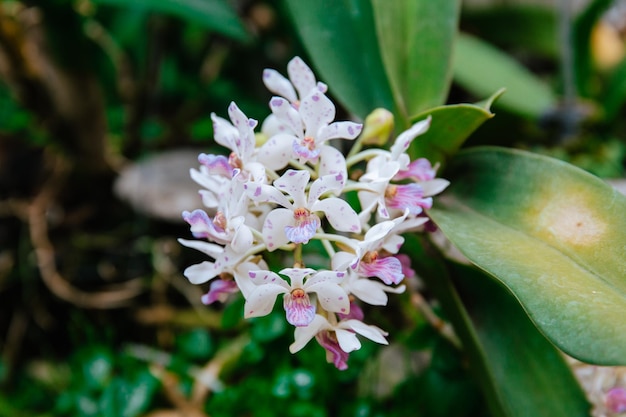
481,69
216,15
450,126
513,363
416,39
340,38
554,235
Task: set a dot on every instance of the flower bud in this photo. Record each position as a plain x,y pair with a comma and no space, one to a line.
378,127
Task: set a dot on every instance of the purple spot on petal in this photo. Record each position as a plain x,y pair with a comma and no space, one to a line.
252,274
277,102
315,97
340,274
257,192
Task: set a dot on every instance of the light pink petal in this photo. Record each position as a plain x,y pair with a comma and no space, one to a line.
388,269
616,400
303,229
418,170
302,335
303,152
409,196
334,353
216,164
339,130
219,291
262,299
316,111
298,309
339,213
201,224
301,76
277,84
274,228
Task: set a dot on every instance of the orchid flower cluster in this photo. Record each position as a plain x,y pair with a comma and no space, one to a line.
288,187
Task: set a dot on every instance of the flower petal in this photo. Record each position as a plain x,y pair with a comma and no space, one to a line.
287,115
316,111
302,335
278,84
301,76
332,161
210,249
298,309
277,151
332,182
403,141
347,340
339,130
371,332
293,182
262,299
202,272
388,269
219,291
274,228
330,295
339,214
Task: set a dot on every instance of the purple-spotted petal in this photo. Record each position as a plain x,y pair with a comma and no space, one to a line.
245,142
316,111
322,185
287,115
277,84
339,130
333,162
303,151
263,193
262,299
330,295
293,182
339,214
301,76
224,132
388,269
274,228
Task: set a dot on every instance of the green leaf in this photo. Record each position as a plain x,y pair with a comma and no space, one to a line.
215,15
339,37
415,38
553,234
513,363
450,126
481,69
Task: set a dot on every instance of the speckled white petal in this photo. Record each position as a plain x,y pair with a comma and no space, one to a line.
274,228
277,84
301,76
339,213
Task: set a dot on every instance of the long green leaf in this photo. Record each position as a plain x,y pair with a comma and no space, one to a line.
416,39
513,363
451,125
215,15
481,69
340,38
554,235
